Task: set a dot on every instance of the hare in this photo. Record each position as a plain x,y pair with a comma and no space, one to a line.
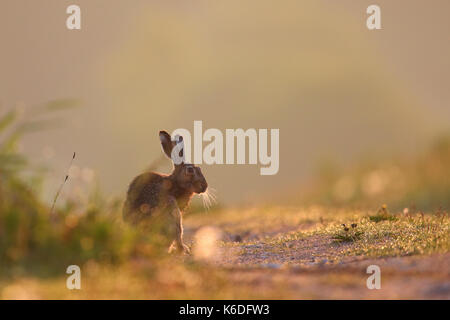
152,194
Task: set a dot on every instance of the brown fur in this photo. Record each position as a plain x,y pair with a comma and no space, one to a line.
154,194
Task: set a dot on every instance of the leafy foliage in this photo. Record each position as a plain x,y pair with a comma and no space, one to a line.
31,238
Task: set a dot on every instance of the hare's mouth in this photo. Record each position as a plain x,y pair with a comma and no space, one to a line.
200,187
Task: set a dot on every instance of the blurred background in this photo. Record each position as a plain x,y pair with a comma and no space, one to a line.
353,106
364,119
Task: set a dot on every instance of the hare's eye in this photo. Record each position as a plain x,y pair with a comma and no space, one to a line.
190,170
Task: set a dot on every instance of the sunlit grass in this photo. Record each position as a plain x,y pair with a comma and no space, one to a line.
404,236
118,261
392,235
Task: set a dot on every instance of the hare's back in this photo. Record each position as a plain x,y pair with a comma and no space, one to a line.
145,189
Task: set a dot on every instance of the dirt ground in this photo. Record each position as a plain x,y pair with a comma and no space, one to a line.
267,258
273,253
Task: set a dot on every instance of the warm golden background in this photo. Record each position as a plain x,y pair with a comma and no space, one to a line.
364,119
336,90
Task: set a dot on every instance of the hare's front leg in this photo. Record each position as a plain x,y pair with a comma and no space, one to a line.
177,220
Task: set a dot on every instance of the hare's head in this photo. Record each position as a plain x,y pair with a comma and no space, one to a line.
186,176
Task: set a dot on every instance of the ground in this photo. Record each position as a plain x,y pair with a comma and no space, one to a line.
299,250
277,253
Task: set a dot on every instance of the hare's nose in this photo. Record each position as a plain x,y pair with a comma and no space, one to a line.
204,186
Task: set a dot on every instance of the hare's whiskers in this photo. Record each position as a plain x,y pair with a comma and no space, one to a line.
208,198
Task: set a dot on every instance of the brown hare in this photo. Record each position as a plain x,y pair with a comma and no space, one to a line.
164,197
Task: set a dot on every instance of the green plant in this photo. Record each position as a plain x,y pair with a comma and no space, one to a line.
382,215
347,234
32,239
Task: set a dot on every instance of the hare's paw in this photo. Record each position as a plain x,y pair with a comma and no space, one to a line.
179,248
185,249
172,248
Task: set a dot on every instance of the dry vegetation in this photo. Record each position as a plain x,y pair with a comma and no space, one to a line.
255,252
276,253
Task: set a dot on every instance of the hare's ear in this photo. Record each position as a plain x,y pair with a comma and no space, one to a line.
166,143
178,150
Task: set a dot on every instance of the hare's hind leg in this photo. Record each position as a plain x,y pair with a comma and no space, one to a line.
177,221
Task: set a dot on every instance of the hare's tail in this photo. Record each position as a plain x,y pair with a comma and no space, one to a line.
126,211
